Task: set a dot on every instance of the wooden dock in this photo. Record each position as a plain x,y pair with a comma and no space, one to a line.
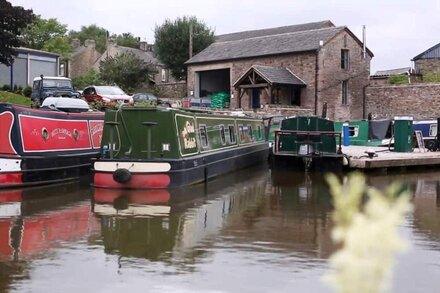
384,158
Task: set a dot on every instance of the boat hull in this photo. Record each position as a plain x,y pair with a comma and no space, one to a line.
180,172
43,146
321,163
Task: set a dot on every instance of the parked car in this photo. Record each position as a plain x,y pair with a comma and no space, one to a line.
148,97
105,94
52,86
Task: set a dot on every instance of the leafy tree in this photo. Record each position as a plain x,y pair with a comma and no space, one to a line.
12,20
41,31
92,32
60,45
172,42
126,40
125,70
90,77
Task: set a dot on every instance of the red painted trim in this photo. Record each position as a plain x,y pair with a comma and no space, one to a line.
96,127
6,123
11,196
11,178
137,181
149,196
83,115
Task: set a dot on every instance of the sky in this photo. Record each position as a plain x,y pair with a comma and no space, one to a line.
396,30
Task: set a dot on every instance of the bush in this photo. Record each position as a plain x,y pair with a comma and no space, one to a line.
18,90
27,91
6,88
432,77
398,79
91,77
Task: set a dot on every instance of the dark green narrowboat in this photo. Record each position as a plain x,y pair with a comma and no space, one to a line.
308,143
165,147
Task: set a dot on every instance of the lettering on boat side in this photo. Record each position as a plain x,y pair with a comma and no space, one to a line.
189,141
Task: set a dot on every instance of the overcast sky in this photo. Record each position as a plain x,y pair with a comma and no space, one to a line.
397,30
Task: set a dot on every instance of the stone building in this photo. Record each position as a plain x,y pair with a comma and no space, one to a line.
428,61
302,66
83,57
382,77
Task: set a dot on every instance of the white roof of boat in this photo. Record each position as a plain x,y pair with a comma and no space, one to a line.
52,77
65,103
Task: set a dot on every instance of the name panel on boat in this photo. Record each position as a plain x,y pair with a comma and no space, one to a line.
186,133
47,134
96,127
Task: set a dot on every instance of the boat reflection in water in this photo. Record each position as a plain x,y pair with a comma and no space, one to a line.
36,219
168,224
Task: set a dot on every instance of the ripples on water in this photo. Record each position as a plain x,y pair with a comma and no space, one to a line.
253,231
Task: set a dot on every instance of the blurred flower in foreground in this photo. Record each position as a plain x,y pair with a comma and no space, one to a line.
367,234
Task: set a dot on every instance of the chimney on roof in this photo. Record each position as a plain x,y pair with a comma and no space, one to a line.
89,43
143,46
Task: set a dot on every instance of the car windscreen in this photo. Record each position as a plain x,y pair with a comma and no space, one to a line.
57,83
144,98
109,90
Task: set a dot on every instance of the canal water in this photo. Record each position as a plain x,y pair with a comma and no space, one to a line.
251,231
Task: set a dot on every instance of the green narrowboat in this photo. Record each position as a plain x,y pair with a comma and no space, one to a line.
308,143
165,147
368,132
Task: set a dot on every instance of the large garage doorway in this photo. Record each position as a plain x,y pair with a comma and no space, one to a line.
213,81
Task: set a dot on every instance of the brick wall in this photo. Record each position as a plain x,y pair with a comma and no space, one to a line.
174,90
417,100
424,66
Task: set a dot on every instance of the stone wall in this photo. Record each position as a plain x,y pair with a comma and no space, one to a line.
416,100
171,90
423,66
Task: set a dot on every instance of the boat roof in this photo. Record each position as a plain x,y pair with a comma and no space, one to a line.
52,77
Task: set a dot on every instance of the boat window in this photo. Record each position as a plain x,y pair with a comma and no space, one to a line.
353,131
203,135
240,131
433,130
259,132
232,138
251,135
222,134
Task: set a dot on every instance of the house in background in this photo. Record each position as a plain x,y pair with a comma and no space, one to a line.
303,66
28,64
83,57
428,61
382,77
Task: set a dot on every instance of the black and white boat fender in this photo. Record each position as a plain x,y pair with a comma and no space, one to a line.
122,175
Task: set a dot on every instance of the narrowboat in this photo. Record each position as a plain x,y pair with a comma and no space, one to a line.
160,147
47,145
428,128
368,132
308,143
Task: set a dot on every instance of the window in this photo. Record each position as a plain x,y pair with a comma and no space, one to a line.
164,75
241,133
36,85
345,59
232,138
259,136
203,136
251,135
345,92
222,134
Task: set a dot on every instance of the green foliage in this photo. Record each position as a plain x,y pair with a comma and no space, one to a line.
398,79
125,70
127,40
41,31
6,88
7,97
12,20
27,91
60,45
91,32
431,77
90,77
172,42
368,234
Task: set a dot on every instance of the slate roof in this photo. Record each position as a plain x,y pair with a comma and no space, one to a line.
278,75
404,70
274,31
431,53
266,45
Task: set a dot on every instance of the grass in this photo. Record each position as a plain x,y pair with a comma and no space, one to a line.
7,97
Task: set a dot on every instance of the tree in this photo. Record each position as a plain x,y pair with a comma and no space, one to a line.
92,32
90,77
125,70
12,20
41,31
172,42
60,45
127,40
